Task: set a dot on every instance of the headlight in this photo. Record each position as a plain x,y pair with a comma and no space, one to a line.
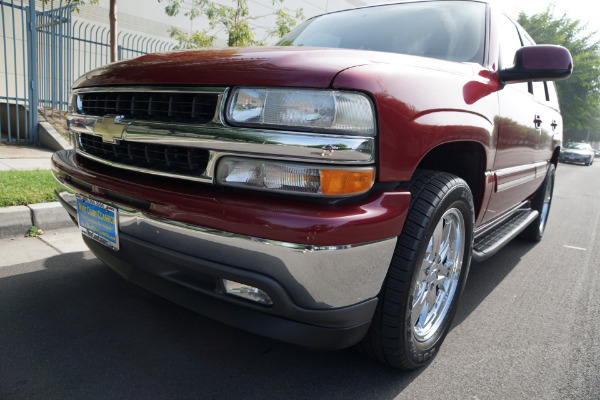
75,105
305,179
332,111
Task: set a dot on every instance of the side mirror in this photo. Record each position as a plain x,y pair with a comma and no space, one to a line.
539,63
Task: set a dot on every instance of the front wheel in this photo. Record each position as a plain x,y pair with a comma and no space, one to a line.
427,274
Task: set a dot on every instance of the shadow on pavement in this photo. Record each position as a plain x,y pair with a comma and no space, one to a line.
484,277
72,328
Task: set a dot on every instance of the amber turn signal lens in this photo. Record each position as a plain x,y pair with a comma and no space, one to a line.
340,182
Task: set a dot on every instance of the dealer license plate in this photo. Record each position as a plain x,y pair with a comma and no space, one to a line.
98,221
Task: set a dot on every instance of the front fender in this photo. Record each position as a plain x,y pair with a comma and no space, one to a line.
421,108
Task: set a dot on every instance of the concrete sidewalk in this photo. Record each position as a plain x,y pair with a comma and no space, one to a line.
16,221
22,158
20,250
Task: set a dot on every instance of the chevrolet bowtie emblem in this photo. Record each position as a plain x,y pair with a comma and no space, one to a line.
110,128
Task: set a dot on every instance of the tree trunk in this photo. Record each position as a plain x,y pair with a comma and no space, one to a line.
112,16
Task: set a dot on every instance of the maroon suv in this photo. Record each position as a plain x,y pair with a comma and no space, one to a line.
328,191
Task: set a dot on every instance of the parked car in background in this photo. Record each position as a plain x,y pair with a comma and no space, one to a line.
597,153
578,153
329,191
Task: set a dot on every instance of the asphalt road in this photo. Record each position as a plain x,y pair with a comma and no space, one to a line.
528,328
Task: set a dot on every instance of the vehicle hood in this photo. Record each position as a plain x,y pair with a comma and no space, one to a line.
254,66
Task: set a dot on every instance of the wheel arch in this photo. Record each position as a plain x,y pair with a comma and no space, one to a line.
465,159
555,156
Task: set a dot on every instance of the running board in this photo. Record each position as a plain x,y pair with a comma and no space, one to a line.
489,242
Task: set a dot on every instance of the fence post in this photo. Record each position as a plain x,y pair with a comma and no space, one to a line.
6,77
33,72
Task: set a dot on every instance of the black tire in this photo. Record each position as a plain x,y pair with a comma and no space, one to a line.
397,337
591,161
541,203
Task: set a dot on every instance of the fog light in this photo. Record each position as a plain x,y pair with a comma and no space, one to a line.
247,292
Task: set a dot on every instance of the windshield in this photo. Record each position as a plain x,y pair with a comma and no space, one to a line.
448,30
579,146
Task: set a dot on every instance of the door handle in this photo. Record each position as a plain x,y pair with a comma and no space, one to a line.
554,125
537,120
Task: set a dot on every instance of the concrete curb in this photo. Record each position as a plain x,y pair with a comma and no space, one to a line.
16,221
50,138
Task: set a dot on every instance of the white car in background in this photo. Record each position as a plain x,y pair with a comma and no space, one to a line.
578,152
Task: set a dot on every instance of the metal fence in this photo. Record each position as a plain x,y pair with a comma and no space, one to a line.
91,46
18,94
43,56
54,56
136,45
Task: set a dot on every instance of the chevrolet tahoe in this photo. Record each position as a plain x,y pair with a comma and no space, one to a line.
331,190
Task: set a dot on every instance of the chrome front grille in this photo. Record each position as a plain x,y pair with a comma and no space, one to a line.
175,160
151,106
180,132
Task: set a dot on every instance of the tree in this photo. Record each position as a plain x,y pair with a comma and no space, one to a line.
76,3
235,20
112,17
192,40
580,94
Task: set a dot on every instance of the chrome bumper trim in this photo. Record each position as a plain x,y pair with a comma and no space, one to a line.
316,277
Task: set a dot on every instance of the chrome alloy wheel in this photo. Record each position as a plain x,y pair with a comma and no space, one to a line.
438,276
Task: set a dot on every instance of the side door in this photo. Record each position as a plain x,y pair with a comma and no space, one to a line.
548,112
519,128
553,123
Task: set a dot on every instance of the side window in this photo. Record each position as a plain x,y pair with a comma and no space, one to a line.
539,88
539,92
552,96
509,44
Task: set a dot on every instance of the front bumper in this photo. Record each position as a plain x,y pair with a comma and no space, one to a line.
323,296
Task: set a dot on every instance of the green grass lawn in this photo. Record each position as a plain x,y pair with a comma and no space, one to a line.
18,188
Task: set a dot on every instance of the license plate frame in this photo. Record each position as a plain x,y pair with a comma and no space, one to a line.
98,221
